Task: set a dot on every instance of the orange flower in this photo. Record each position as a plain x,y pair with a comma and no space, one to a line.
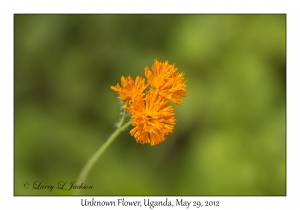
152,120
166,81
130,89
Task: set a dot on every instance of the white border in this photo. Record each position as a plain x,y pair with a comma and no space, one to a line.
8,8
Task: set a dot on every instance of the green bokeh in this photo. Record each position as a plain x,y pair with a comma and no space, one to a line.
230,135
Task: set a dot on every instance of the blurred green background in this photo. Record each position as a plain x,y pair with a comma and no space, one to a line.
230,135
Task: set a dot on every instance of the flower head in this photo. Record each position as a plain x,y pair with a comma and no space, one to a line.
152,120
166,81
130,89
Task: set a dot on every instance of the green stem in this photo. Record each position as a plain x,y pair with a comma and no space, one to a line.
85,171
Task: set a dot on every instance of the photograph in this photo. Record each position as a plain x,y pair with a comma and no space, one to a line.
149,105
